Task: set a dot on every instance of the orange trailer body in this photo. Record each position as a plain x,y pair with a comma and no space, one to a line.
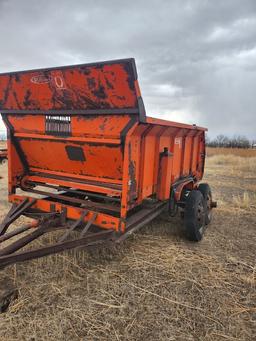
78,137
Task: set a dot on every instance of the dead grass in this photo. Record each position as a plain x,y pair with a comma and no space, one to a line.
246,201
156,286
237,163
231,151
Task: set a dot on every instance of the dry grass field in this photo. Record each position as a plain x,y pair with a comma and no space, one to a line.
157,285
231,151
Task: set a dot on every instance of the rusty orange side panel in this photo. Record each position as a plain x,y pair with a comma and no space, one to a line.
186,143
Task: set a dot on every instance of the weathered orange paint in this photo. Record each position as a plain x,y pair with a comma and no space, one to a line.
164,176
73,88
108,148
103,220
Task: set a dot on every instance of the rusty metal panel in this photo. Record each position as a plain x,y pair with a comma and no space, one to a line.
148,143
99,88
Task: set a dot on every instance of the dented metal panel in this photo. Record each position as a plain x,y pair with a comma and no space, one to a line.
99,88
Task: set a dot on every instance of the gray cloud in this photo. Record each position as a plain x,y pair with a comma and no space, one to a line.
196,59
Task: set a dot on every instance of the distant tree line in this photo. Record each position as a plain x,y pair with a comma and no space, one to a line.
222,141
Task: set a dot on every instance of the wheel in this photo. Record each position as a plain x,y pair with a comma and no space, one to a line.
194,215
207,194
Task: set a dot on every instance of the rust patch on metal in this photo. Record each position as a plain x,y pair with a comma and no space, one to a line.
132,176
99,86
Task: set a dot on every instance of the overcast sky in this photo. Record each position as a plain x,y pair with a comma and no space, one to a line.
196,59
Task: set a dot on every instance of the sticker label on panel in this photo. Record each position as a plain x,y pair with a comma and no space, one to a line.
178,140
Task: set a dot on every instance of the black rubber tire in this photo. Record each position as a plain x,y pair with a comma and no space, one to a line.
205,189
194,215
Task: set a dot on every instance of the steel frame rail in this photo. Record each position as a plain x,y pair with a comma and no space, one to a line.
53,221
